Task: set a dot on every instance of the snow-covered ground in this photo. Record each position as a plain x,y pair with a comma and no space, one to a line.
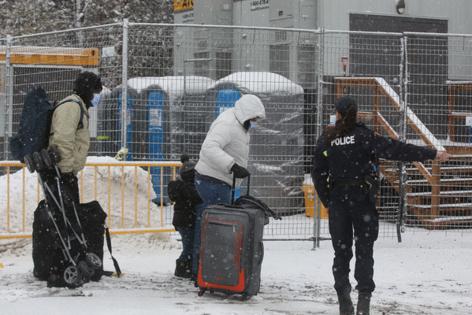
429,273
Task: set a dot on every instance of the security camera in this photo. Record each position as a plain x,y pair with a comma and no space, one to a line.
400,6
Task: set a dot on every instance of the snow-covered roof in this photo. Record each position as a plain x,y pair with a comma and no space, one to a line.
173,85
262,83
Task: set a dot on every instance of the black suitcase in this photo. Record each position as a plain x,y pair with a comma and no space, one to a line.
48,256
231,250
67,236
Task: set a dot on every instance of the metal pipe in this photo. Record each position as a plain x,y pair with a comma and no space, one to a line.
319,122
124,87
193,26
8,122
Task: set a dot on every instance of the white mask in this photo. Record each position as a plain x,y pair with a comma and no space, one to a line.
95,99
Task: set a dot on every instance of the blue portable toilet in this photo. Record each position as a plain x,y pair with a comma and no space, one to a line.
225,99
155,102
170,118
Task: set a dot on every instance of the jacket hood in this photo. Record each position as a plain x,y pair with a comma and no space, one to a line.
249,107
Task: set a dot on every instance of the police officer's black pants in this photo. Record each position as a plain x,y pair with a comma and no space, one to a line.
345,215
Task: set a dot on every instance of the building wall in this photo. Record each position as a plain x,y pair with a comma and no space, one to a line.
336,12
311,14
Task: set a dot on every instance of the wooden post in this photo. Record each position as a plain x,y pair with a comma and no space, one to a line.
376,109
450,106
435,189
339,89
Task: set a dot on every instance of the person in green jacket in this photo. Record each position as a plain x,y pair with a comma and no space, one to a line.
69,135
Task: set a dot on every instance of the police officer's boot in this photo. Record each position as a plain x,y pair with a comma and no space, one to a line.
363,304
345,302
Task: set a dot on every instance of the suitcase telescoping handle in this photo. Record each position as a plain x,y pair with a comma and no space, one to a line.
233,187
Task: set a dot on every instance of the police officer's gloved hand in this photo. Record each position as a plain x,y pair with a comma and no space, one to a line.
239,171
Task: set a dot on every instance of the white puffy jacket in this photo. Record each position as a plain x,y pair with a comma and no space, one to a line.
227,141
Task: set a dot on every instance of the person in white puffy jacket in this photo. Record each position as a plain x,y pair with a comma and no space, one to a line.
224,154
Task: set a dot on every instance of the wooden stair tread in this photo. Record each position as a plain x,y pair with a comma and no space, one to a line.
443,180
443,168
442,193
443,205
448,218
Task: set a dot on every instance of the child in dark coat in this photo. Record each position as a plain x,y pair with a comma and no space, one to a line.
182,191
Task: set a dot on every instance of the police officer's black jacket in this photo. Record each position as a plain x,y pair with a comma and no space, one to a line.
349,158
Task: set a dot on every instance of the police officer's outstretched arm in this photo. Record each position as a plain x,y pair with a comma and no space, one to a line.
320,171
391,149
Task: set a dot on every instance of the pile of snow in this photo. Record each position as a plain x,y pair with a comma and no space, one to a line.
429,273
262,83
129,187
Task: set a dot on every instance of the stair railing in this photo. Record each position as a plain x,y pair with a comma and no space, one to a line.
382,88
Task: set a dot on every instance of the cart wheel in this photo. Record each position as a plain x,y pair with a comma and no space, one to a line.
93,261
245,297
72,276
212,291
201,292
29,163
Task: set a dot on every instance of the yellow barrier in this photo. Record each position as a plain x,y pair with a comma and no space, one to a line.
126,214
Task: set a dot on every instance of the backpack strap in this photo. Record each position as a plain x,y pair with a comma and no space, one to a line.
81,120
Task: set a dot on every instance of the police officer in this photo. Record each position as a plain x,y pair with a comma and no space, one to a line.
343,161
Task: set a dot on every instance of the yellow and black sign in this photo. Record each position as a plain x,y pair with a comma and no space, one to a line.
183,5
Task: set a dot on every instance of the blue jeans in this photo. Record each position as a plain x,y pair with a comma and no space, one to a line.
187,234
212,191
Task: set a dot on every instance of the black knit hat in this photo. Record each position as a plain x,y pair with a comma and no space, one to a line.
86,84
344,103
187,170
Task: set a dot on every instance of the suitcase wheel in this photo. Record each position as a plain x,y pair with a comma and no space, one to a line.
201,292
245,297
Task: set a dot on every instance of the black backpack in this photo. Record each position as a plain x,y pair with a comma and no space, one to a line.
35,124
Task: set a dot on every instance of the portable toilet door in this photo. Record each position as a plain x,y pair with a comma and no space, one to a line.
129,121
155,109
225,99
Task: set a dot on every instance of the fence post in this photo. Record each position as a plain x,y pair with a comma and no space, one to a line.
8,130
403,129
319,122
124,87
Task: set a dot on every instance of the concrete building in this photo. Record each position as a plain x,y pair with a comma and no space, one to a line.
216,53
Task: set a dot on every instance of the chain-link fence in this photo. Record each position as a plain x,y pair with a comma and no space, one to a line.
165,84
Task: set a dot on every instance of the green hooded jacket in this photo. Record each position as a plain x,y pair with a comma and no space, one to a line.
71,141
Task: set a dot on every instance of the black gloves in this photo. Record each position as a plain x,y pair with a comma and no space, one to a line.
239,171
